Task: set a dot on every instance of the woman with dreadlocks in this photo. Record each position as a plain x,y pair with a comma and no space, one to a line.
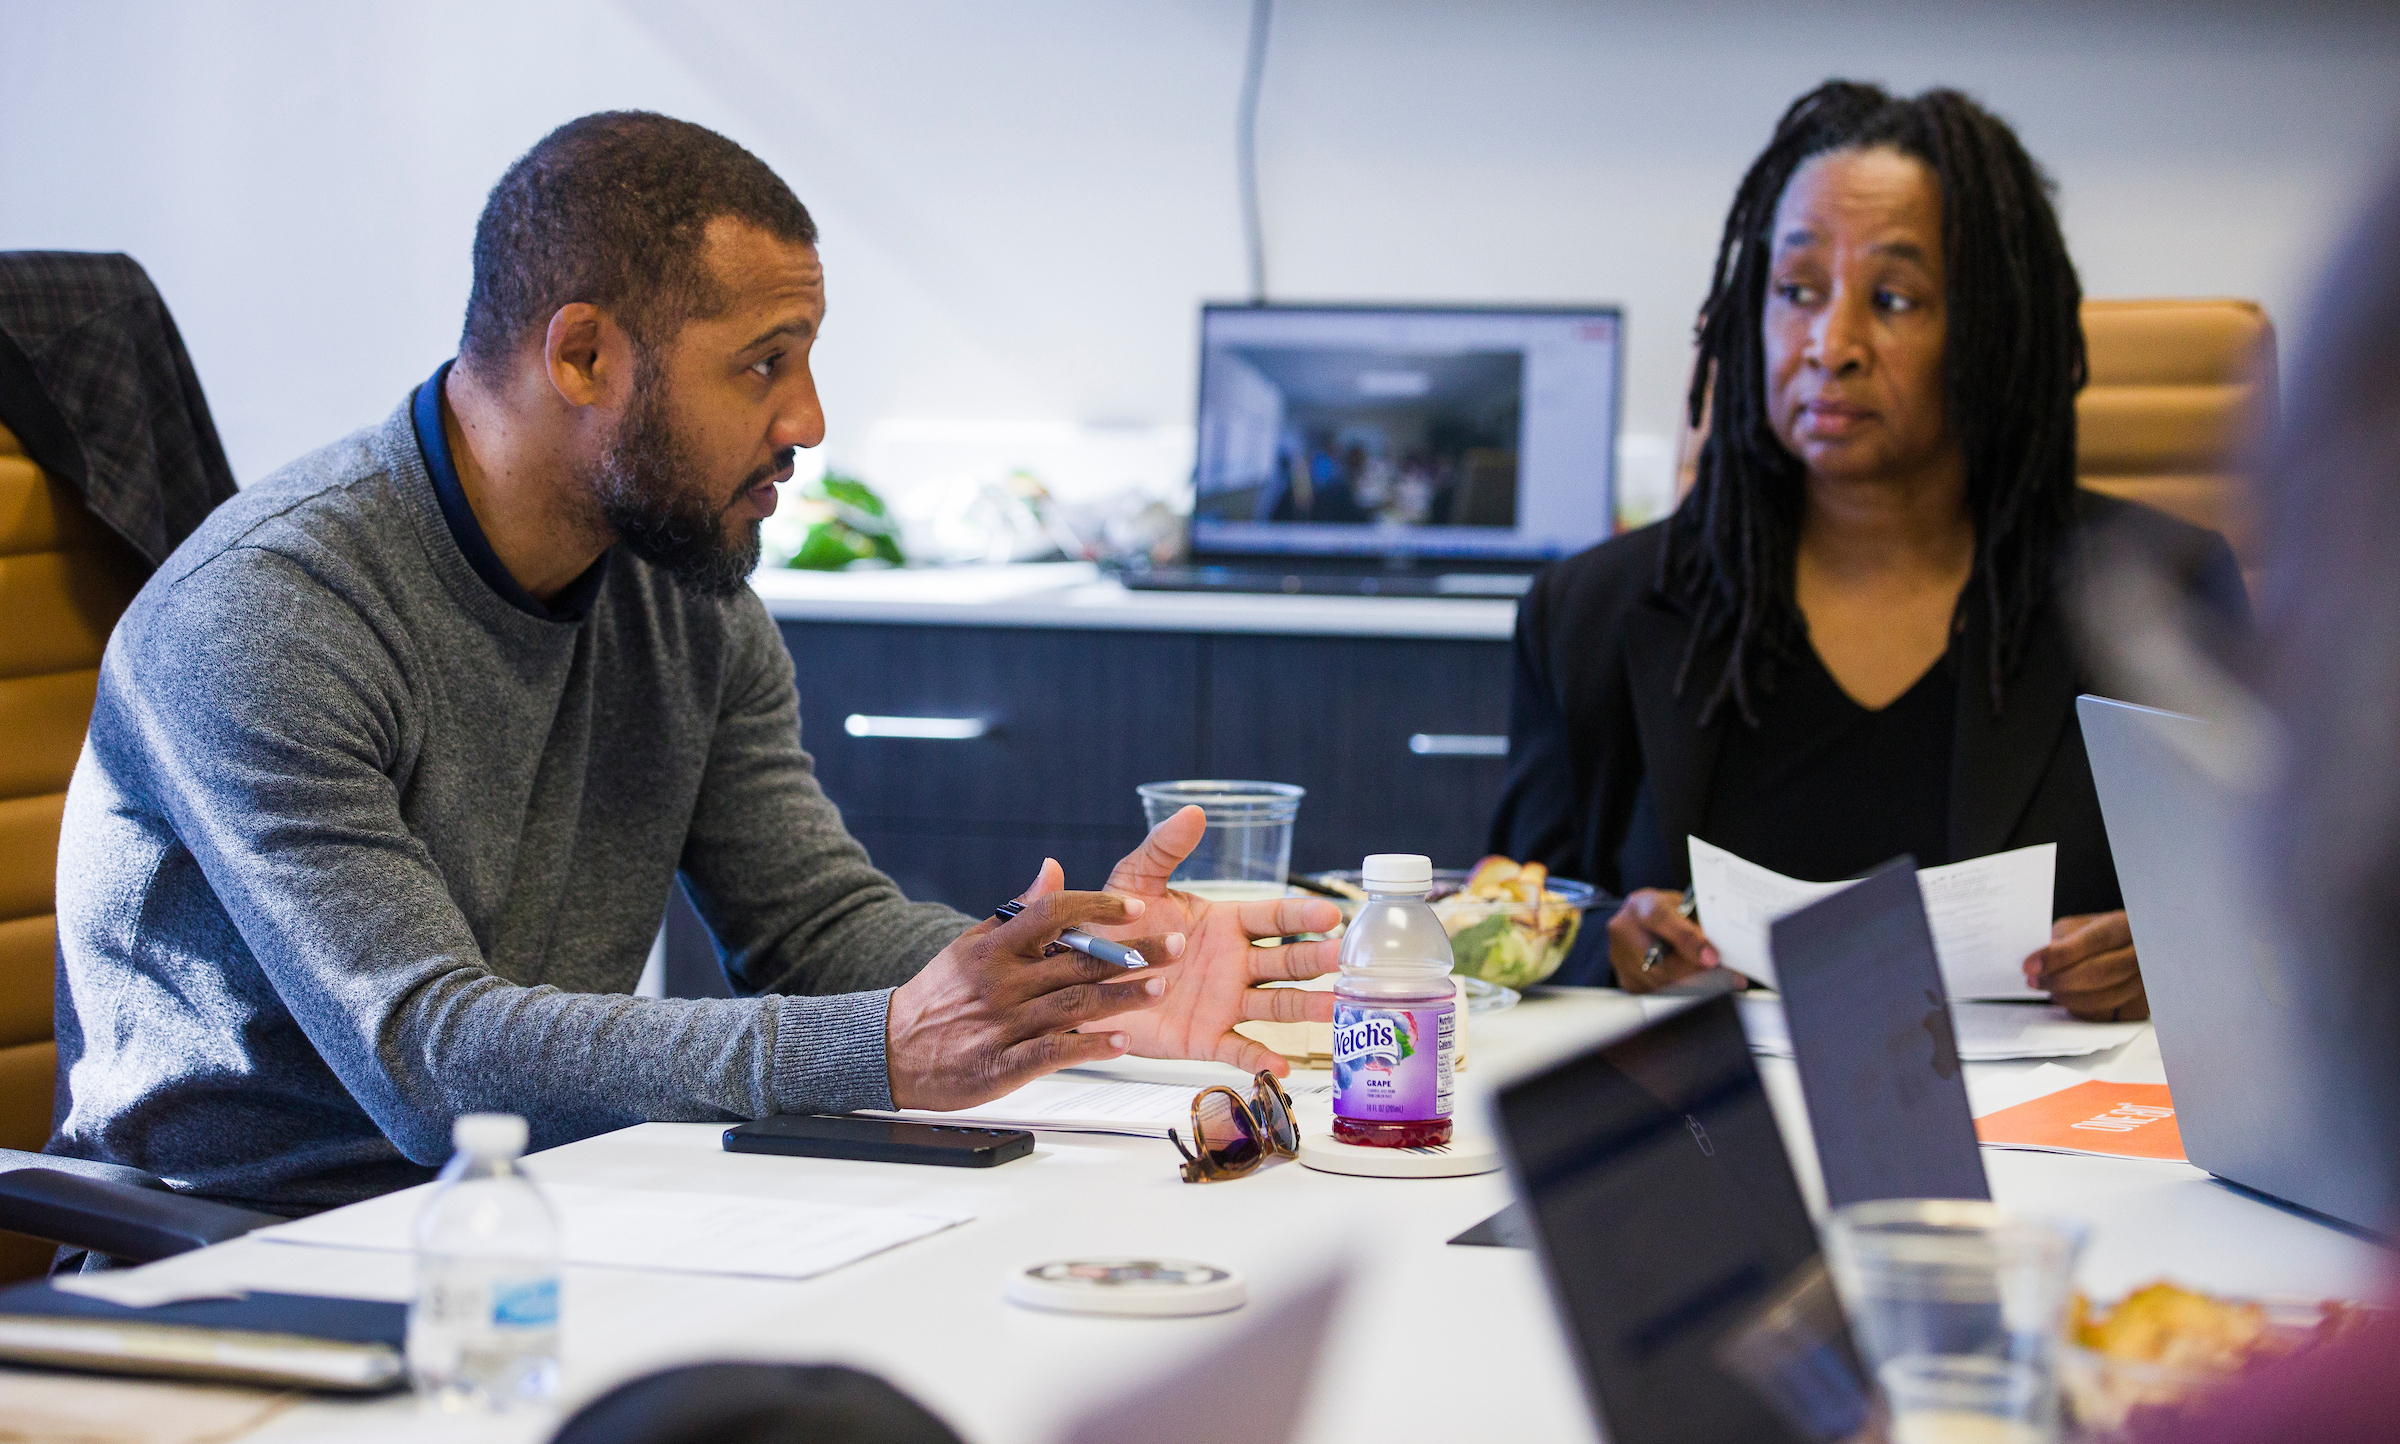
1849,642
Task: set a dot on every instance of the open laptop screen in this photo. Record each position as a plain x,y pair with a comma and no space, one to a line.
1670,1222
1405,431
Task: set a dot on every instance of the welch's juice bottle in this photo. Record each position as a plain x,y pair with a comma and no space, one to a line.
1395,1013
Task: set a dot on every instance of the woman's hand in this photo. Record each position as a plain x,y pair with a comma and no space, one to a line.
1650,916
2089,969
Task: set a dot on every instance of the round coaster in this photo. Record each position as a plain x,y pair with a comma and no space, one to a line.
1465,1153
1157,1288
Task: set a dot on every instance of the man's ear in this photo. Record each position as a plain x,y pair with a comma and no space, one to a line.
588,356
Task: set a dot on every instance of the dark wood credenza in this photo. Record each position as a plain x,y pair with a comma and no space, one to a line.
1046,708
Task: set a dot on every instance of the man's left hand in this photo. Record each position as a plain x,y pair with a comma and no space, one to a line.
1214,985
2089,969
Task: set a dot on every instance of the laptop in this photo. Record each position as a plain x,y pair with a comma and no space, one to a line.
1253,1387
1878,1056
2244,1055
1677,1247
1399,450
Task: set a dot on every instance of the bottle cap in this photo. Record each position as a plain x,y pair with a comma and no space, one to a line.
488,1135
1396,870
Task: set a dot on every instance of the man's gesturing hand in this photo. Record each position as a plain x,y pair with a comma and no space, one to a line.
1217,986
991,1012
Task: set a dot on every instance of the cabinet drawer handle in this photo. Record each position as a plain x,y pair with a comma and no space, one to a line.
923,729
1457,744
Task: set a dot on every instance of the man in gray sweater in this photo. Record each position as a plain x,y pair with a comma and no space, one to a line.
395,760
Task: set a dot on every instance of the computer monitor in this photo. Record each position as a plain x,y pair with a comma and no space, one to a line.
1461,434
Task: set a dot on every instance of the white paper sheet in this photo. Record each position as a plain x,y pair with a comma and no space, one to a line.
1738,899
1987,1032
692,1233
1991,1093
1987,913
1078,1102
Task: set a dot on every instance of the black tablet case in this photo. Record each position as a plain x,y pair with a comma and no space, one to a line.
347,1321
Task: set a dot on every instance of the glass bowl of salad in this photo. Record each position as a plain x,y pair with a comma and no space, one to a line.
1510,924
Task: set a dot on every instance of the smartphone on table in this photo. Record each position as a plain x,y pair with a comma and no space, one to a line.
879,1140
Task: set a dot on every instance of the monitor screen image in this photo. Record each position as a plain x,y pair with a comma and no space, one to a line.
1395,431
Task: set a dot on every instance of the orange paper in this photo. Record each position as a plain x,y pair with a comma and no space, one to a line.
2115,1120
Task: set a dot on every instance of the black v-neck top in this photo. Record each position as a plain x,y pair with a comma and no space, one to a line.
1824,789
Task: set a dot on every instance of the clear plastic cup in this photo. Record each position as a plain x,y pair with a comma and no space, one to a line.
1960,1310
1247,851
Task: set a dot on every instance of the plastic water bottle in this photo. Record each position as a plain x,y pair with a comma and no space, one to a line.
483,1332
1395,1013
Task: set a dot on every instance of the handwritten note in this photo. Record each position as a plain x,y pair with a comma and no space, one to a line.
1987,914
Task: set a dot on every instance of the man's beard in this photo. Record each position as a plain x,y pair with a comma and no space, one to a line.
685,535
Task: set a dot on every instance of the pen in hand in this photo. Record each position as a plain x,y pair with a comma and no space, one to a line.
1081,941
1688,909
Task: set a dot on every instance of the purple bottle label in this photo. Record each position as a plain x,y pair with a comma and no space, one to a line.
1392,1064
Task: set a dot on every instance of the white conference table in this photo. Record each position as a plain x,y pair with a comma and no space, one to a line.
1431,1342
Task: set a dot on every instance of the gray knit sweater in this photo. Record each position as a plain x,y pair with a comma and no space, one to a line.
355,846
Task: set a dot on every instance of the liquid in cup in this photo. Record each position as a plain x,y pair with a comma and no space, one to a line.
1246,853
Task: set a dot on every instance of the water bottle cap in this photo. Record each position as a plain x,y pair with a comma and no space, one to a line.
1396,870
488,1135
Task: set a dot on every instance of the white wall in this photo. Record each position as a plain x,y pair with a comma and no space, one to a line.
1023,203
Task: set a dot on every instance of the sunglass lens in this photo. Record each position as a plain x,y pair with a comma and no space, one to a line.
1275,1115
1225,1133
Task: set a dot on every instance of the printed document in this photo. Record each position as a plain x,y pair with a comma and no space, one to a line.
1986,1032
1988,914
1072,1101
690,1233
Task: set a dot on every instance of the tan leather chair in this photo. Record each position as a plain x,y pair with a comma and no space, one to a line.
64,580
2178,390
2178,387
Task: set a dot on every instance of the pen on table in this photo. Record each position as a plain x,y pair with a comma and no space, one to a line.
1688,909
1083,942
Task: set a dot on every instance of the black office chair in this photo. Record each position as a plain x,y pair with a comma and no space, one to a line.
747,1403
111,1211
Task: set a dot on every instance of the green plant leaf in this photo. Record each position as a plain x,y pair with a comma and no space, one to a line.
850,491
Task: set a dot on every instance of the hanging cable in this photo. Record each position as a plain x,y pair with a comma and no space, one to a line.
1246,148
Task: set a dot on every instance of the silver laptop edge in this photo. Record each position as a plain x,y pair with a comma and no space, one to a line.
2247,1066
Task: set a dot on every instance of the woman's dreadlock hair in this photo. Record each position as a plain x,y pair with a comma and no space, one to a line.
2014,362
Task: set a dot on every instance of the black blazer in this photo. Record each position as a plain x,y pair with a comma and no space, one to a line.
1600,745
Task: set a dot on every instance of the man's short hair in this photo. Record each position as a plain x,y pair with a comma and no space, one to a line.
611,210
